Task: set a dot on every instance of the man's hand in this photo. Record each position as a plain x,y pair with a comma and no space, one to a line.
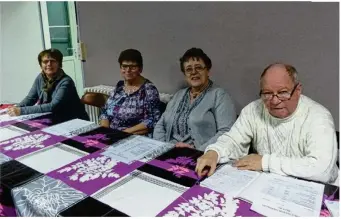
208,160
250,162
183,145
14,111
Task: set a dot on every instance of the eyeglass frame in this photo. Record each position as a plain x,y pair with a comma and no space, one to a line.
273,94
131,67
195,69
46,61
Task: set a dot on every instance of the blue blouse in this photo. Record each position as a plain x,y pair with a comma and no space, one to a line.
126,110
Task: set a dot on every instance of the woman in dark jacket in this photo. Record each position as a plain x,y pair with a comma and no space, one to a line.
52,91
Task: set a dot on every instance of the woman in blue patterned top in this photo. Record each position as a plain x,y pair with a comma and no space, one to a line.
133,106
196,116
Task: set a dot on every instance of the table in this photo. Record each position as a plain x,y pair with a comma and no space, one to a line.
44,174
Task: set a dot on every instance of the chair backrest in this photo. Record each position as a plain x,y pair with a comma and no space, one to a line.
95,99
163,107
338,148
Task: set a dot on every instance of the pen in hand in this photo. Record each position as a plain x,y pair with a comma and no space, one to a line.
205,172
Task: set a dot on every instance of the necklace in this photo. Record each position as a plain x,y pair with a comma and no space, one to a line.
195,94
129,89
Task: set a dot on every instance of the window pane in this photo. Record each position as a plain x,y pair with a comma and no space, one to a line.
58,17
60,39
58,13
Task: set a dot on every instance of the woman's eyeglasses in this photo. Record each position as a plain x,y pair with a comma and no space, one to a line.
131,67
190,70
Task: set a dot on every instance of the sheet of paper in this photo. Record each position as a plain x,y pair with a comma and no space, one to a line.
277,195
7,133
134,148
3,111
68,127
333,207
229,180
6,117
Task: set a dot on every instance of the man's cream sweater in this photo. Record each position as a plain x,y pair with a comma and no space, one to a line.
303,145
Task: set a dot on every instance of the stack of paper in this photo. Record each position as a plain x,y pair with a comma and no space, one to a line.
67,128
276,195
134,148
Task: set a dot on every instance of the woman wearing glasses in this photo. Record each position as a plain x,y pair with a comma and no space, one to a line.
133,106
196,115
52,91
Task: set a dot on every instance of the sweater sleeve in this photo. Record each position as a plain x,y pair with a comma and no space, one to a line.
60,99
319,161
32,96
160,131
225,116
235,143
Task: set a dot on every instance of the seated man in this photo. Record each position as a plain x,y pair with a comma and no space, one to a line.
292,134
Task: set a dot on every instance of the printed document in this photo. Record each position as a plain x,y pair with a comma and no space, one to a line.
229,180
133,148
277,195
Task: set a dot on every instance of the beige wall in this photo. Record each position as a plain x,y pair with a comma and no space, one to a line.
240,37
21,41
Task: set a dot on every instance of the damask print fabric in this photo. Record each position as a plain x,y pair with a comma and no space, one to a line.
28,143
47,195
201,202
92,172
47,175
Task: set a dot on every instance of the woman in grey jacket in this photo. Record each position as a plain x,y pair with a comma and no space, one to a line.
196,116
52,91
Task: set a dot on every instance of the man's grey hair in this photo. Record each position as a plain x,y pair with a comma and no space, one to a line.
291,70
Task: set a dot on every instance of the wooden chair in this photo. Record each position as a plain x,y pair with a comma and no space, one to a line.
94,99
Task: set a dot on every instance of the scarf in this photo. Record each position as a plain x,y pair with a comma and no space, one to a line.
49,85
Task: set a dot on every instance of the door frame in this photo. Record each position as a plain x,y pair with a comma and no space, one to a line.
74,32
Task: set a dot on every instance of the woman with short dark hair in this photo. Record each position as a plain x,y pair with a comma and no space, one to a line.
52,91
196,116
133,106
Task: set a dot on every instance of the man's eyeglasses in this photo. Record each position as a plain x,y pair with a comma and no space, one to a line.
131,67
199,69
283,95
